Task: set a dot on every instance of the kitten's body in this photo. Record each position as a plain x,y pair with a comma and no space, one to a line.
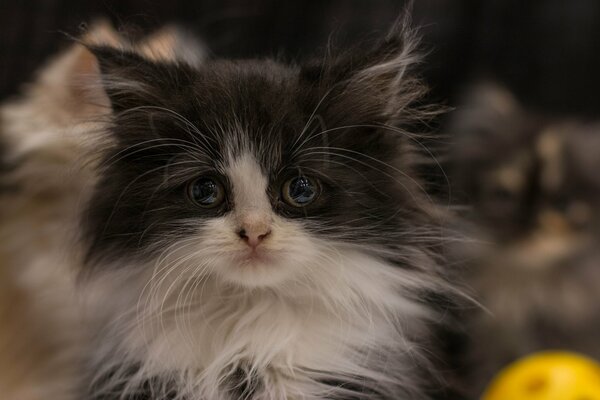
535,202
339,300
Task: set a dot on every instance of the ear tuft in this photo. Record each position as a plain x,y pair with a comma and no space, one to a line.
102,33
381,75
389,74
172,43
397,52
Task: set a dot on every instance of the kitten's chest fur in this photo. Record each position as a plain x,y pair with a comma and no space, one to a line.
219,344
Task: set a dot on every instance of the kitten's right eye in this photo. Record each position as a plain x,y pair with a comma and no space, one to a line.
206,192
300,191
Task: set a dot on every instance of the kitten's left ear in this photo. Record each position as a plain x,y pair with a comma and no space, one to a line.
131,80
173,43
379,76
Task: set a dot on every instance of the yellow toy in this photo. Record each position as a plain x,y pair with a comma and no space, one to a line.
550,375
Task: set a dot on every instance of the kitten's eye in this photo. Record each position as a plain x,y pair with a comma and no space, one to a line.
206,192
300,191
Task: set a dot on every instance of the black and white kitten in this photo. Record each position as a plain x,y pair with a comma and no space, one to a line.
258,230
535,191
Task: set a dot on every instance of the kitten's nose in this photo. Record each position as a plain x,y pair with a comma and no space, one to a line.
254,229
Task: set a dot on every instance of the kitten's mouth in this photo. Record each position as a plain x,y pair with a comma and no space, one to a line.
257,269
254,256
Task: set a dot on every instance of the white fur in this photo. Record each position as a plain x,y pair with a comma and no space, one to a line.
314,310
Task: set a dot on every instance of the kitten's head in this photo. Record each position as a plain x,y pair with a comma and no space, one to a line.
257,172
524,173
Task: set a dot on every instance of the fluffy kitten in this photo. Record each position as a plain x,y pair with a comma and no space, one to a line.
43,136
258,231
535,192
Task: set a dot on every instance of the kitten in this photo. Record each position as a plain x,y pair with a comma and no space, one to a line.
42,134
536,195
257,230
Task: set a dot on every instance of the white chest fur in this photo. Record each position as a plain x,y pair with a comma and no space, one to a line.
353,321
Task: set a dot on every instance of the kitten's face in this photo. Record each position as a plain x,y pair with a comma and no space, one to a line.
251,172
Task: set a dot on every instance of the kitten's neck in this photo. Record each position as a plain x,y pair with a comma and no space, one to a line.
289,342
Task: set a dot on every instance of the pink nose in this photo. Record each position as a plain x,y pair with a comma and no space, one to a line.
254,229
253,238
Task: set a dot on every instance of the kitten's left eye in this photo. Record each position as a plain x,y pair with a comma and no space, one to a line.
206,192
300,191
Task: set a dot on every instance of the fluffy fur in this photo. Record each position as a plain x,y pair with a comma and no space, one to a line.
340,302
160,298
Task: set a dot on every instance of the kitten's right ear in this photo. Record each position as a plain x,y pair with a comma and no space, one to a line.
380,75
131,80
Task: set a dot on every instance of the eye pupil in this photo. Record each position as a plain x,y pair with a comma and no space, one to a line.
206,192
301,191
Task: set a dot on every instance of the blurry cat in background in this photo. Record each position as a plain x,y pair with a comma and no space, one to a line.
255,230
43,136
535,191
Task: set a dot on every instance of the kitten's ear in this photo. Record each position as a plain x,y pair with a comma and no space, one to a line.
71,79
130,80
172,43
380,75
102,33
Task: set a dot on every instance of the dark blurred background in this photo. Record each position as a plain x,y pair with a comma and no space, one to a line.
547,51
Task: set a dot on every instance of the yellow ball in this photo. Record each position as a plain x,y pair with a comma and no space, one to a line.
550,375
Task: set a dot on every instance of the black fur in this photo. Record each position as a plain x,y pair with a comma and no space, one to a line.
172,123
172,107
